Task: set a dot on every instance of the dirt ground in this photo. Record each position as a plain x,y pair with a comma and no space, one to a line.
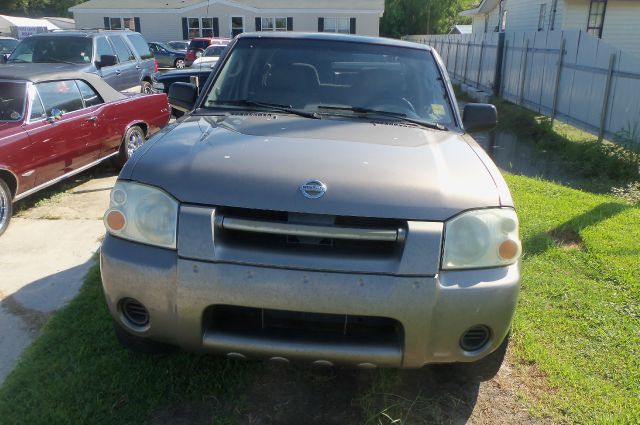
288,395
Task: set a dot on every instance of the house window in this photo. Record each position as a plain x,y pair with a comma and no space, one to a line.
273,24
542,16
200,27
597,11
120,23
207,27
194,27
237,25
341,25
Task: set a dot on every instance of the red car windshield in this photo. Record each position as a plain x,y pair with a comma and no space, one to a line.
12,99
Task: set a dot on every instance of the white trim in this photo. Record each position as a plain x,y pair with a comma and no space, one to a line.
225,3
60,178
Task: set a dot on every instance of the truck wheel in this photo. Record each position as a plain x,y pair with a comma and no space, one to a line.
484,369
6,206
145,87
138,344
133,138
179,63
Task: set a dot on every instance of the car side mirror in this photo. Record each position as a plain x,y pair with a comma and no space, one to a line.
106,60
3,59
183,96
56,115
479,116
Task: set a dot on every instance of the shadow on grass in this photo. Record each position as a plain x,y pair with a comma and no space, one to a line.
568,233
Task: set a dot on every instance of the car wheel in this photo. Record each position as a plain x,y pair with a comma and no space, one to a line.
484,369
6,206
138,344
179,63
133,138
145,87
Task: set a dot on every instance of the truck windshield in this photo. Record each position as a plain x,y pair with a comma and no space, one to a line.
54,49
333,77
12,97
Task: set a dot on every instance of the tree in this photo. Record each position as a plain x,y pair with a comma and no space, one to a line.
404,17
37,8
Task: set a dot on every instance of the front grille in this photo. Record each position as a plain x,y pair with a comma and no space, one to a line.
320,234
300,326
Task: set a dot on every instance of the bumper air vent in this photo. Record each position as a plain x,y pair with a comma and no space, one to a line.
475,338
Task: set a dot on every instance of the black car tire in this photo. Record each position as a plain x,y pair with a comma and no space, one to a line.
482,370
145,87
138,344
6,206
179,64
124,152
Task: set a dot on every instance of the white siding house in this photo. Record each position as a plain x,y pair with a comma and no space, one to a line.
168,20
615,21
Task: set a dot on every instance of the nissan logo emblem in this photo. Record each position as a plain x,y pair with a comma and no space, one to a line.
313,189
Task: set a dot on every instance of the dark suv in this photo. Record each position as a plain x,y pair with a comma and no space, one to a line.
121,58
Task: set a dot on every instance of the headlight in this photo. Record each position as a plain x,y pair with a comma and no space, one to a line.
158,86
481,238
142,213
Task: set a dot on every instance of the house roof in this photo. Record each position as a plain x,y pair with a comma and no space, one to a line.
484,7
17,21
462,29
254,5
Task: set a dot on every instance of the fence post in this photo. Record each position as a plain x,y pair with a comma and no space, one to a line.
503,71
466,63
607,93
524,72
455,63
556,91
480,64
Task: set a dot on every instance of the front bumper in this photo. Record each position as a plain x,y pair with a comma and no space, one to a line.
434,311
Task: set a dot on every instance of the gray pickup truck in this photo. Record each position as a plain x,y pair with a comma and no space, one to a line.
321,202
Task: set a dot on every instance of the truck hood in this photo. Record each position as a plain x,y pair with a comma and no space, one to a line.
371,169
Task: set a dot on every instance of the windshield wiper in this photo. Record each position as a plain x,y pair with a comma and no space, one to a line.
272,106
56,60
399,115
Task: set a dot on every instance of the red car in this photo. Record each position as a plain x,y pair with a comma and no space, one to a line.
198,45
55,123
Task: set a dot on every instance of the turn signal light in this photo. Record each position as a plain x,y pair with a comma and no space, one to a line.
508,250
115,220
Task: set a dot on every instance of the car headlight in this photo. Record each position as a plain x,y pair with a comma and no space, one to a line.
157,85
143,214
482,239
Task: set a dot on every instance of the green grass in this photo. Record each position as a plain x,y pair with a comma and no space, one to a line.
579,313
